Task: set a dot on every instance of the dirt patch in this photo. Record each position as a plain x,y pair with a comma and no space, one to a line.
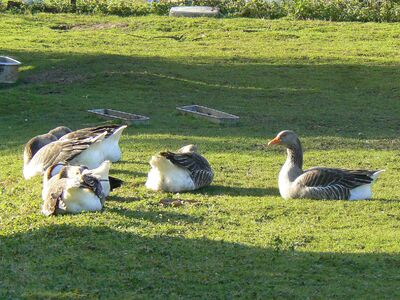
98,26
61,27
55,76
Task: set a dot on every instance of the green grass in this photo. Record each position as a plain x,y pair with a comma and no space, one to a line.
335,84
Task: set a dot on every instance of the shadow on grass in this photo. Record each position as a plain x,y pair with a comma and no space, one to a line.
133,162
128,172
156,216
314,100
237,191
66,261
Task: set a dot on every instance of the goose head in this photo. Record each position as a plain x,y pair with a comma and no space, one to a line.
286,138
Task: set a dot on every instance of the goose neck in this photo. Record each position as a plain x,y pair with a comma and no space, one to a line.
295,155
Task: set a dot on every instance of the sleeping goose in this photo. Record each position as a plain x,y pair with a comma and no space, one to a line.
109,146
60,131
37,142
319,183
89,147
184,170
108,183
72,191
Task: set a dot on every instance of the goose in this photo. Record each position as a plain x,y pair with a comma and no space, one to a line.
89,147
109,146
108,183
183,170
60,131
318,182
37,142
73,190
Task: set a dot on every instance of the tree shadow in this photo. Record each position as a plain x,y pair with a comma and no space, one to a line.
237,191
133,162
66,261
308,90
128,172
161,216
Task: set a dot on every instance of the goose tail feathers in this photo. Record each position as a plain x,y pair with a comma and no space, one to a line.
101,171
115,182
376,174
117,133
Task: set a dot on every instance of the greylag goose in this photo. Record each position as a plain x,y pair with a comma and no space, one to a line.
184,170
319,183
37,142
74,189
110,146
108,183
89,147
60,131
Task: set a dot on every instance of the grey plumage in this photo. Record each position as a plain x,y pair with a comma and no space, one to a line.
35,144
91,131
62,151
60,131
70,177
199,169
329,183
54,198
38,142
319,183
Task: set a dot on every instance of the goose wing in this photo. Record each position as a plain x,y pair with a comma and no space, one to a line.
198,167
328,183
91,132
90,182
53,197
60,151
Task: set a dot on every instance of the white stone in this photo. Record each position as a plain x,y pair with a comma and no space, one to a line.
194,11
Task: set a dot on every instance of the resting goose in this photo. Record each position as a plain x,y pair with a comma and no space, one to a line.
108,183
37,142
73,190
184,170
89,147
319,183
60,131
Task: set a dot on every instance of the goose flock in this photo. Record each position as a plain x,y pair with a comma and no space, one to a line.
75,168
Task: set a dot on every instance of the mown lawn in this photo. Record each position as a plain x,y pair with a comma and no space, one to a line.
336,84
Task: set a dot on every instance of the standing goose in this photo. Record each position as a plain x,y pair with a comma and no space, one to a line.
89,147
72,191
184,170
319,183
37,142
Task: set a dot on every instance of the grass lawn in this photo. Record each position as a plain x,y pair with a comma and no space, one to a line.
336,84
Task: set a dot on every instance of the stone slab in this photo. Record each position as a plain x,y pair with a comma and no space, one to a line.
194,11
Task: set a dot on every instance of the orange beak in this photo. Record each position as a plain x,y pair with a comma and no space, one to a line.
275,141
